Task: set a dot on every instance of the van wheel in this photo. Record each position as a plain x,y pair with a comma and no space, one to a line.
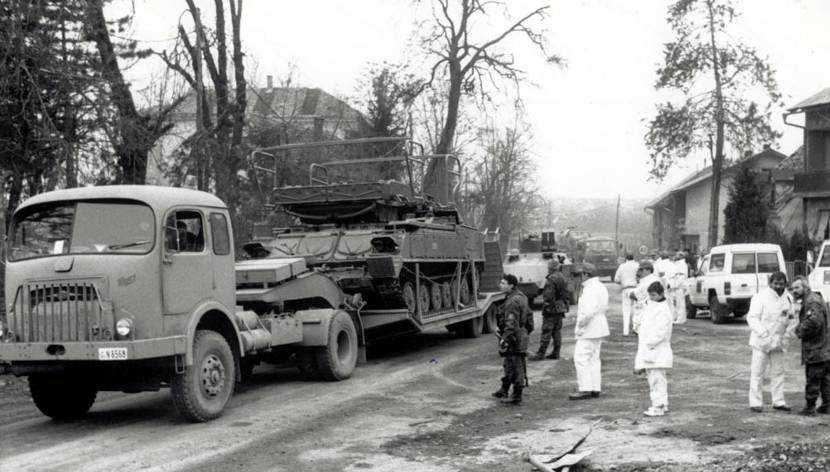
338,358
691,310
61,396
717,312
202,391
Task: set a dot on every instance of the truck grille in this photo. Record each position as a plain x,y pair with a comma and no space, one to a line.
60,311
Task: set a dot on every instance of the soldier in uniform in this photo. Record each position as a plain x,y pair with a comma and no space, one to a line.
515,323
815,346
556,303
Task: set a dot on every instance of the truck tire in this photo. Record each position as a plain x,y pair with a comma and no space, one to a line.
490,320
472,328
202,391
338,358
307,363
61,396
716,310
691,310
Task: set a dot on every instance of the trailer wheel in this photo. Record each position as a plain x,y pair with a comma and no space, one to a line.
202,391
307,363
472,328
338,358
61,396
490,320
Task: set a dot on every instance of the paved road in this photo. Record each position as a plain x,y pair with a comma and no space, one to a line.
422,404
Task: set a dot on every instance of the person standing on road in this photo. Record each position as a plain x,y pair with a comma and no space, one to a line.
626,276
654,353
640,294
678,284
515,323
771,321
815,346
664,269
591,327
556,303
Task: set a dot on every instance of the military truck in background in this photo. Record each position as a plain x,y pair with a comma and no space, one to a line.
529,262
135,288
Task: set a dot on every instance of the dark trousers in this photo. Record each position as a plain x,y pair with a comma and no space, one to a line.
551,328
818,382
514,371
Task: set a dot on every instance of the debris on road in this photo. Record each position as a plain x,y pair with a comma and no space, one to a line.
563,460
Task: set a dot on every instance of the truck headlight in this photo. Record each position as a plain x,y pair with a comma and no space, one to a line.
124,327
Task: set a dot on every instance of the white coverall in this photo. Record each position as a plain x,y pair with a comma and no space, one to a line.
626,276
654,350
772,324
591,327
641,292
678,290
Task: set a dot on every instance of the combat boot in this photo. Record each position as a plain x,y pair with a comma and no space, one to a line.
537,357
516,398
502,392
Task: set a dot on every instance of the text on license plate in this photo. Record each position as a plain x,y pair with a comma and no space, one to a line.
112,353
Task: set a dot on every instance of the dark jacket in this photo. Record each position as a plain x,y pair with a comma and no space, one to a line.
556,295
515,323
812,329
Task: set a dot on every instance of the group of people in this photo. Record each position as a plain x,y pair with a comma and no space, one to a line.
650,305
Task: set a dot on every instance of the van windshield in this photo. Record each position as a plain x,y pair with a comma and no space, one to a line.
124,227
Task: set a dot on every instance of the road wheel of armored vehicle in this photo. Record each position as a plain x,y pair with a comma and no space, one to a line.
338,358
61,396
465,292
691,310
436,299
307,363
409,299
201,392
490,320
423,297
472,328
717,312
446,295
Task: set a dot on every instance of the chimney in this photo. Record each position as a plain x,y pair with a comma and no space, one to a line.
270,81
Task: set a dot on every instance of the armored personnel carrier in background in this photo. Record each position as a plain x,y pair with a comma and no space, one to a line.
366,223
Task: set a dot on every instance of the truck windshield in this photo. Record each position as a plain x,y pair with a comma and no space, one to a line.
82,228
597,246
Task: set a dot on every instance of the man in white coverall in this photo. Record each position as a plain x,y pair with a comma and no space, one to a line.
678,287
772,323
591,327
626,276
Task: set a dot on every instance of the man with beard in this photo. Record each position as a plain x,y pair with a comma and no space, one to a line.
815,346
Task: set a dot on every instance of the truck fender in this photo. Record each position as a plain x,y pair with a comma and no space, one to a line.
227,328
316,325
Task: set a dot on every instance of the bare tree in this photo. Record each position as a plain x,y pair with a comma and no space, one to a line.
469,66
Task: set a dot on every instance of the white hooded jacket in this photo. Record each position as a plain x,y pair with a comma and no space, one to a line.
654,348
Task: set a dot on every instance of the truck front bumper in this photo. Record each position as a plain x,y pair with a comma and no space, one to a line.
92,351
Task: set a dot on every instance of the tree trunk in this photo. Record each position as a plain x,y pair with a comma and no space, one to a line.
717,165
436,181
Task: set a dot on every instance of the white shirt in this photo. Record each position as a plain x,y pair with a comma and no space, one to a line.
769,317
626,274
590,313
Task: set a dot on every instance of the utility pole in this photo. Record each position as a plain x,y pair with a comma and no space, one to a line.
617,227
201,166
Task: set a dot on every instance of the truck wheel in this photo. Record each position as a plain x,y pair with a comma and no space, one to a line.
201,392
338,358
691,310
436,299
472,328
716,310
490,320
61,397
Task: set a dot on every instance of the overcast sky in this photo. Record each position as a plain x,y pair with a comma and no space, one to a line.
588,119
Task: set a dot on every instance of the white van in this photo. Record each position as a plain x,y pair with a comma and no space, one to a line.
727,278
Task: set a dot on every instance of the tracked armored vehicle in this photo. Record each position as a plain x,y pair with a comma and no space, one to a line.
410,257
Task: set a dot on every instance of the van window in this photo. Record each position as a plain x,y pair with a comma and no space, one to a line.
768,262
716,262
743,263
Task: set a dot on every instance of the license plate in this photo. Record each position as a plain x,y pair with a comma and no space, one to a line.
112,353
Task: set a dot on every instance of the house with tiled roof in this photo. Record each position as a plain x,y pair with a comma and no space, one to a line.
278,115
680,216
